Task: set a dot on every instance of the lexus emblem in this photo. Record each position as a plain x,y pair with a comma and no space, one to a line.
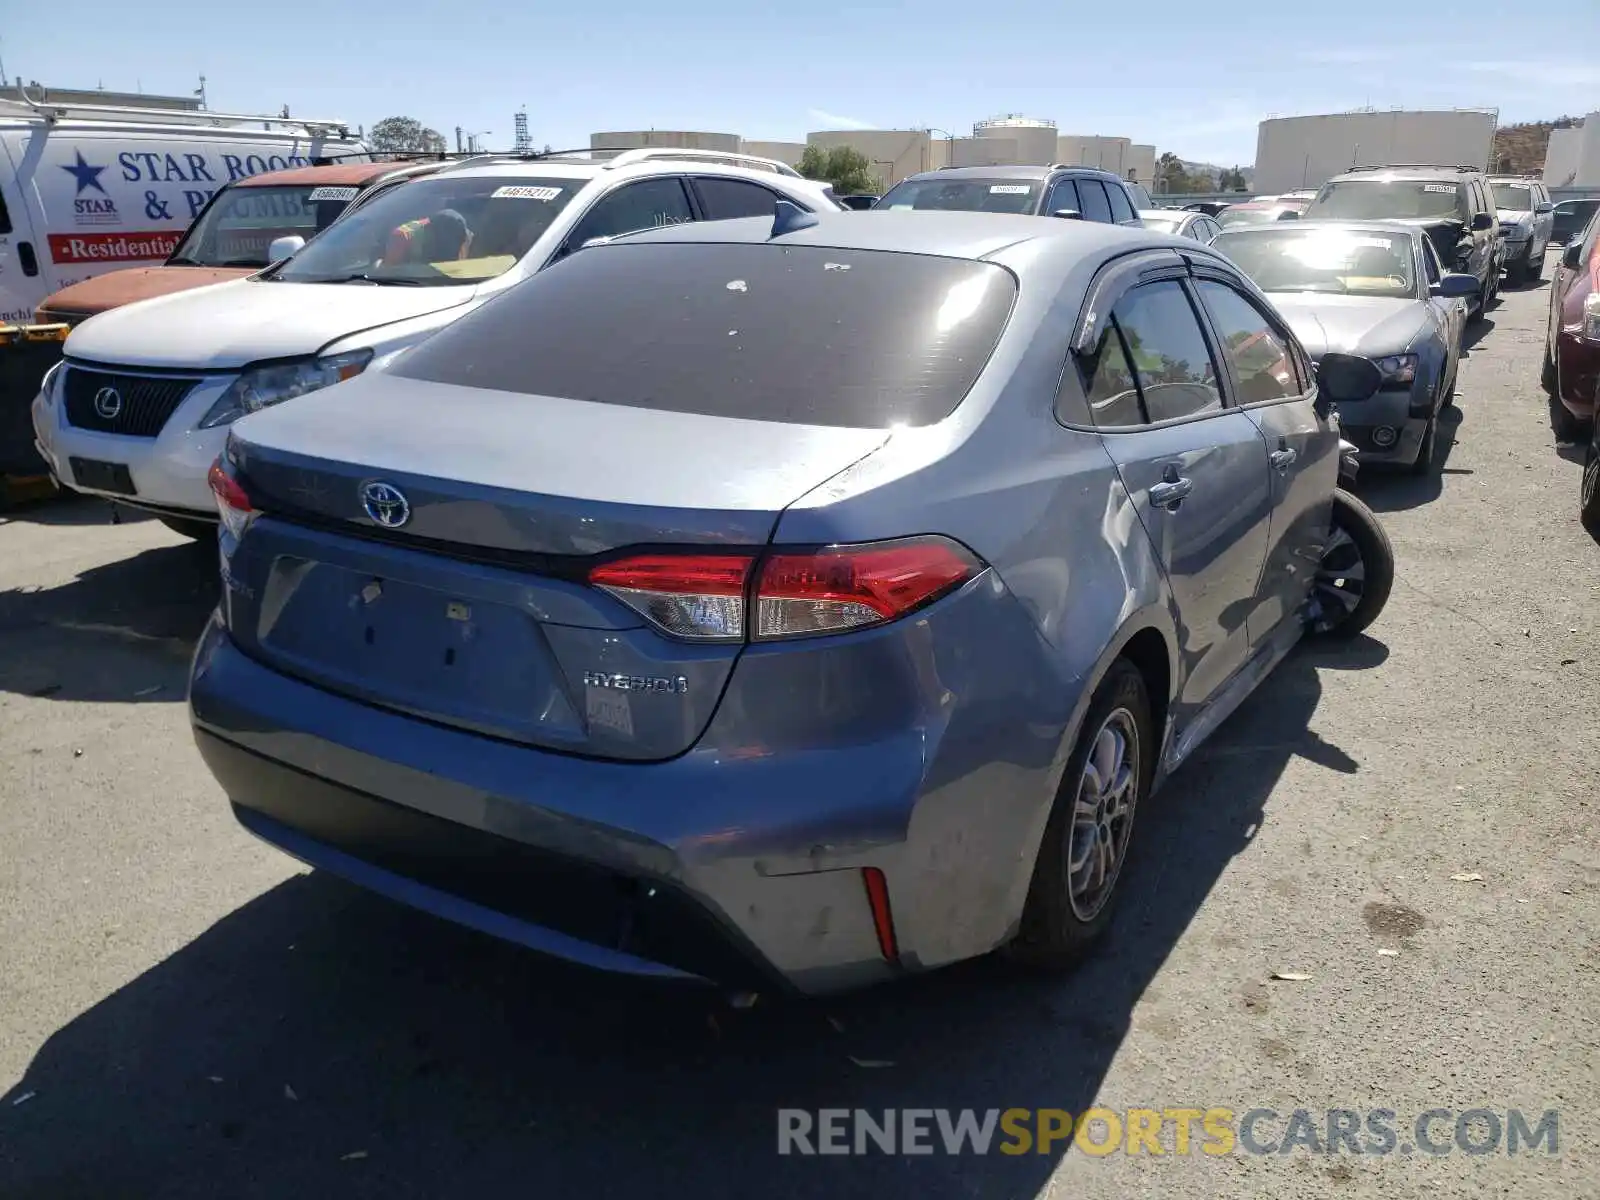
385,503
108,403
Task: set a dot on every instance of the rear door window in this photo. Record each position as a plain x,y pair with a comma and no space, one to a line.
799,334
1170,357
1092,195
5,217
726,199
1121,210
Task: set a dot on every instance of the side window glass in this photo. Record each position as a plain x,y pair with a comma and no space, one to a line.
1095,205
1260,356
1063,195
1168,351
648,204
5,217
1121,210
725,199
1430,261
1113,394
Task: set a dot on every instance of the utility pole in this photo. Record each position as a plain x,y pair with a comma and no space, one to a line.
201,91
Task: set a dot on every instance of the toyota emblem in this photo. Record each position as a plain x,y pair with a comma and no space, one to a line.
385,503
108,403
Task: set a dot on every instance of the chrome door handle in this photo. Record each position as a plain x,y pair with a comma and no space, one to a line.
1170,493
1283,459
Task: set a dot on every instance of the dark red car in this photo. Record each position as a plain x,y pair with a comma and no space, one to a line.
1572,342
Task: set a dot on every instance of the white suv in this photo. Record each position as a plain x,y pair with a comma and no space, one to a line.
139,407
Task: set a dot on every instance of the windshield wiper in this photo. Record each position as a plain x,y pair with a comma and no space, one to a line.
362,277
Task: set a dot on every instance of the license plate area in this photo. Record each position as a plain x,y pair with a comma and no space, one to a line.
455,658
100,476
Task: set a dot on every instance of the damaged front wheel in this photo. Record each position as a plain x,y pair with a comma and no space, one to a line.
1356,572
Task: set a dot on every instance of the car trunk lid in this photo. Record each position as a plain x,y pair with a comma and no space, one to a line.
471,607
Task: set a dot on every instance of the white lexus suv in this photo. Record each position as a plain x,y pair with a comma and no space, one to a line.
138,409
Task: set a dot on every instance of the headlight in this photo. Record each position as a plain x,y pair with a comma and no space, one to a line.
1591,318
259,387
1398,368
50,385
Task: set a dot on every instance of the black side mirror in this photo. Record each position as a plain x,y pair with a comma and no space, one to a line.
1289,214
1345,379
1481,221
1543,207
1572,255
1068,214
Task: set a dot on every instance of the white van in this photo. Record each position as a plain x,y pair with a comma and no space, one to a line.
139,408
86,189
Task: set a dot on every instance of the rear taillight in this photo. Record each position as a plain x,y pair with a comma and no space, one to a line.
233,503
699,596
791,593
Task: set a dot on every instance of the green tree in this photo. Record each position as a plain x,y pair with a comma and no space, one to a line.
405,135
1232,180
845,167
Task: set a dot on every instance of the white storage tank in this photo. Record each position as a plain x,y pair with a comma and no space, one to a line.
1035,138
1305,152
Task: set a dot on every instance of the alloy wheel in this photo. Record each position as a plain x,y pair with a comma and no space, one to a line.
1591,474
1340,581
1102,814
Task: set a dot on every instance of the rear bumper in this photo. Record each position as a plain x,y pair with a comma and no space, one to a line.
738,862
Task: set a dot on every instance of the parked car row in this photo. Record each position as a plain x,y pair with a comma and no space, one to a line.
812,596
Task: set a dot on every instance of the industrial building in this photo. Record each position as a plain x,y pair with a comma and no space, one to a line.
1572,159
897,153
1305,152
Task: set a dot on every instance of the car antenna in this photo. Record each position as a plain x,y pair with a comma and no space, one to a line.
788,217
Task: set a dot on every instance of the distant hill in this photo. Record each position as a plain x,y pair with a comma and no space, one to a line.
1520,149
1213,170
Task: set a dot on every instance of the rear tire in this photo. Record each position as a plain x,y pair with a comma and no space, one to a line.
1356,574
1111,766
189,527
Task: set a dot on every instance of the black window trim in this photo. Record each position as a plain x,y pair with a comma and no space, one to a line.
1264,310
1047,203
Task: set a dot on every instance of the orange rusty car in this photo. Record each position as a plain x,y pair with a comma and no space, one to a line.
229,238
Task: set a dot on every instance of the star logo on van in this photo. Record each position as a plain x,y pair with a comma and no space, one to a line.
86,176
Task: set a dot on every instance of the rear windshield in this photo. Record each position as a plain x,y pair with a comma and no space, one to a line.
799,334
964,195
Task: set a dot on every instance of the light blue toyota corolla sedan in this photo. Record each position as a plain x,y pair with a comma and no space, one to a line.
790,602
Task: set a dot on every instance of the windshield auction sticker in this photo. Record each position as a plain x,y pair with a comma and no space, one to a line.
524,193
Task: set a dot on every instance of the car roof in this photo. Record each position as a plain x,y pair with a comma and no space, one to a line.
334,174
951,234
1009,171
1439,173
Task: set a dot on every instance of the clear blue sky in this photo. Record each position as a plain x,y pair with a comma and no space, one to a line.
1181,75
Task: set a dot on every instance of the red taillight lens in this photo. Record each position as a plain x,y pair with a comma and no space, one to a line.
233,503
703,596
699,596
843,587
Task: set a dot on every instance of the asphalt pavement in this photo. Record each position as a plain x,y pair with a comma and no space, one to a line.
1377,888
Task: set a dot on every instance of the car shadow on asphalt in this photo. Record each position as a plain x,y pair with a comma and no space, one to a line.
119,632
1394,489
1477,329
321,1041
71,508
